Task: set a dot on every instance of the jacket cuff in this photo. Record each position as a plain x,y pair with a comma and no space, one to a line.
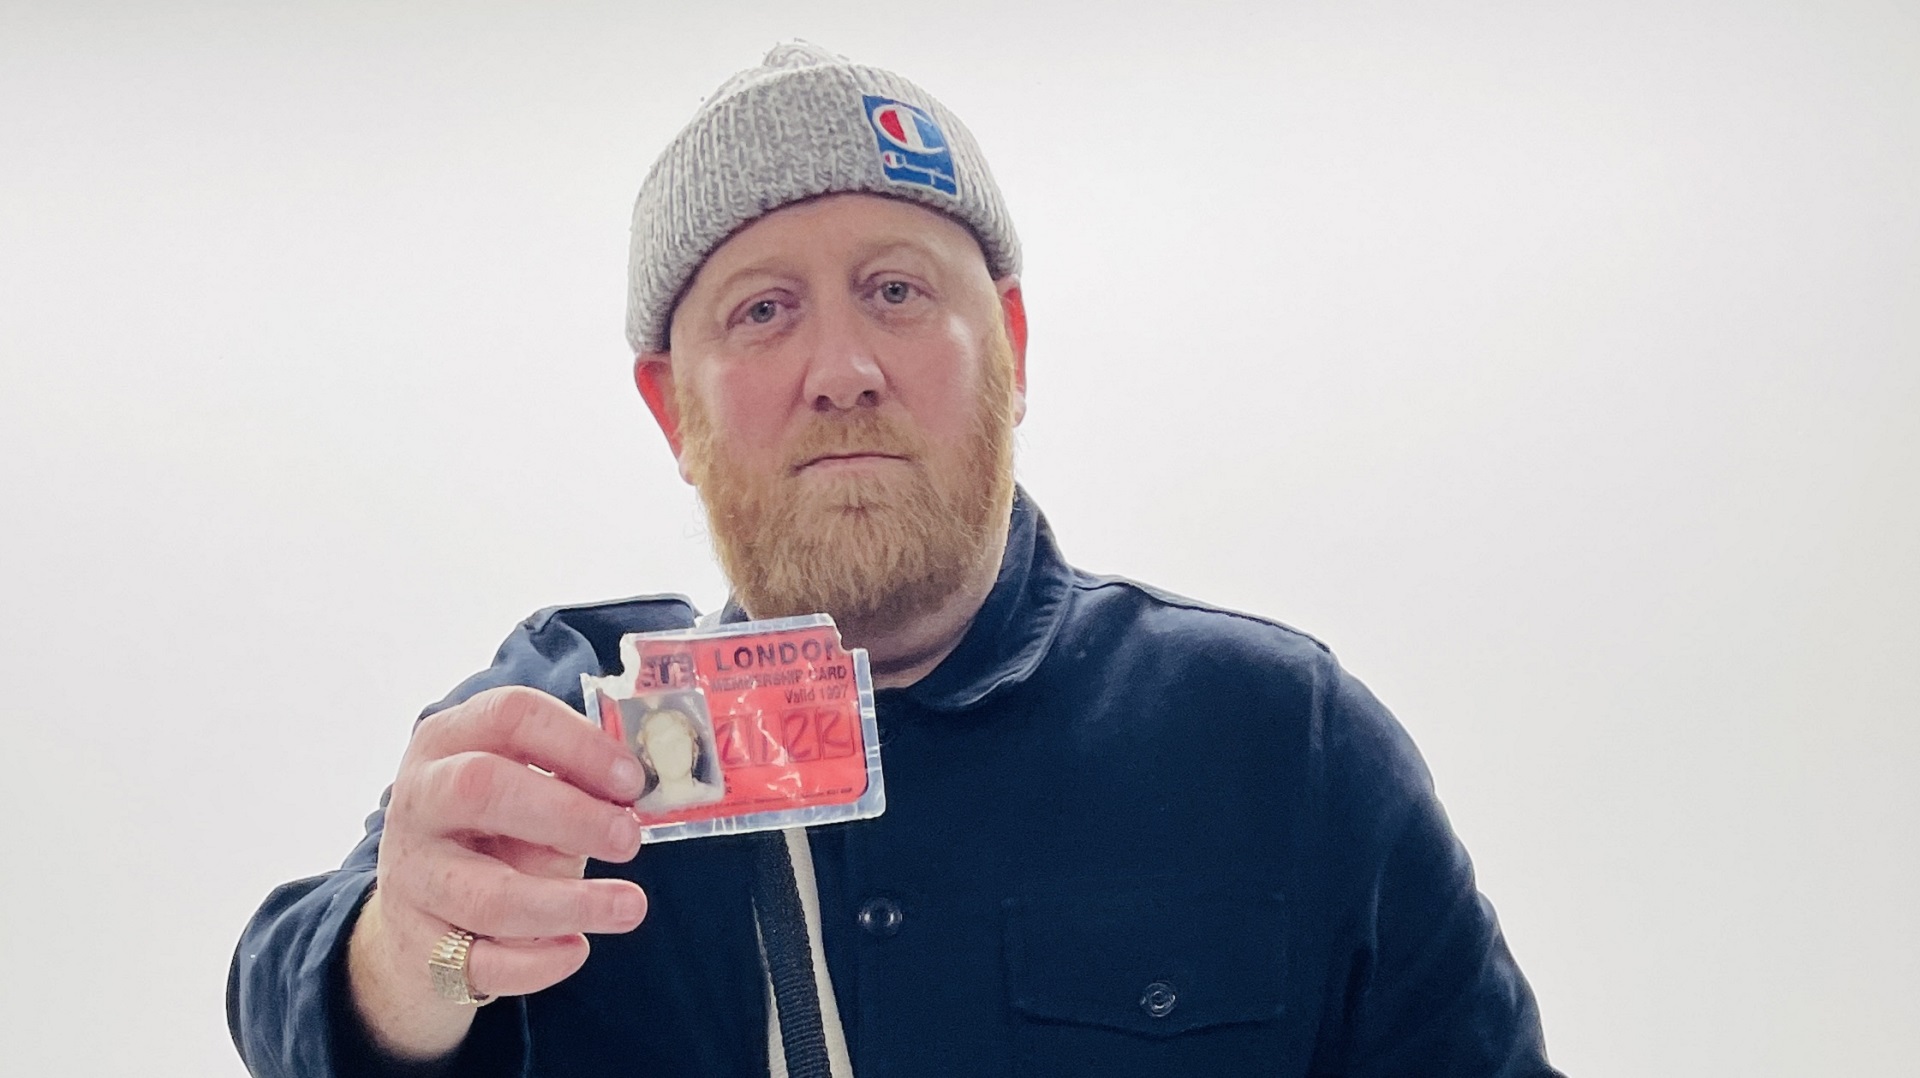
496,1047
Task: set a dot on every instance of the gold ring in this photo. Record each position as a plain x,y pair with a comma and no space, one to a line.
448,968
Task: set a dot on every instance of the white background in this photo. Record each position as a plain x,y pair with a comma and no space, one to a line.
1557,363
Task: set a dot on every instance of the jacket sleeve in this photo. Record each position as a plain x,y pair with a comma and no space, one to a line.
287,1007
279,1003
1425,984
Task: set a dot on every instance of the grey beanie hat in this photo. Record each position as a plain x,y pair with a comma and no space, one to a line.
804,123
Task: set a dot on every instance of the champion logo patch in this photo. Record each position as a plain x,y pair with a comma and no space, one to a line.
912,147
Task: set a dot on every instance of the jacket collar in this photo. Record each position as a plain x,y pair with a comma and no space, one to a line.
1015,626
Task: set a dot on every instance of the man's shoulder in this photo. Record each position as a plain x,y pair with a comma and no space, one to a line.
1141,611
615,617
1225,662
556,644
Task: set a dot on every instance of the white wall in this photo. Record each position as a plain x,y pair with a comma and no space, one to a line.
1557,363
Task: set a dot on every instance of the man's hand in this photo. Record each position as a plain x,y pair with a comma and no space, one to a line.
476,838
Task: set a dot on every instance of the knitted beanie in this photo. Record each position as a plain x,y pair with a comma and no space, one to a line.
804,123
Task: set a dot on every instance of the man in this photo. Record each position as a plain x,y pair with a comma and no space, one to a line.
1127,833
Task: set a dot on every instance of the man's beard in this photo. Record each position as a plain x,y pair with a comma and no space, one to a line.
872,549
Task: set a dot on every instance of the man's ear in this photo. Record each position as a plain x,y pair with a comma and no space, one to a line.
1013,313
653,376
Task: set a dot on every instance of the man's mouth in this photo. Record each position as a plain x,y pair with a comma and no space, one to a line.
832,461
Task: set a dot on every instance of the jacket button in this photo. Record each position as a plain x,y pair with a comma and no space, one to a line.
1158,999
881,917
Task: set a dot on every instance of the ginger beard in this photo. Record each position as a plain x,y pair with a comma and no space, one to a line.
872,549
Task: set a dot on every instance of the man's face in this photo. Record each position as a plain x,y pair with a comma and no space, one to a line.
842,390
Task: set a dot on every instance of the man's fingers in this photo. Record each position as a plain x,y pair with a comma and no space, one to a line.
482,794
531,858
520,967
488,898
534,728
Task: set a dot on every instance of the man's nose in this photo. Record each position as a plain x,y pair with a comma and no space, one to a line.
844,370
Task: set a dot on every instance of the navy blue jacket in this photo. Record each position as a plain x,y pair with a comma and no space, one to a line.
1126,834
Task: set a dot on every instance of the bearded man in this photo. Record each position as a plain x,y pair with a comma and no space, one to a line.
1126,833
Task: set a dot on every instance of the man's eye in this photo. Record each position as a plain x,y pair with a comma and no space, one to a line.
896,292
762,312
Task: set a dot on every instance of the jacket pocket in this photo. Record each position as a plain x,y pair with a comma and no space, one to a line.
1146,982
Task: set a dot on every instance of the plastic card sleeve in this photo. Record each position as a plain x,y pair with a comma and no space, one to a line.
753,726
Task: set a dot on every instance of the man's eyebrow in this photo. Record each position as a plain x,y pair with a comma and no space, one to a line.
772,267
776,266
882,248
